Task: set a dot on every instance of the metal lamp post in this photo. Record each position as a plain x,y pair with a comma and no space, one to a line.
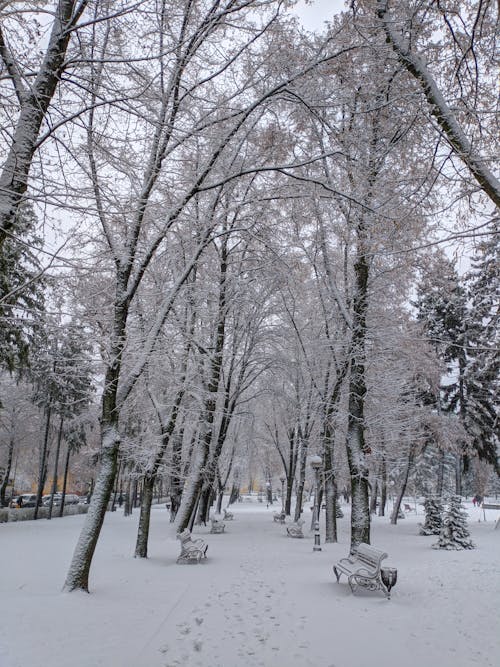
282,480
316,464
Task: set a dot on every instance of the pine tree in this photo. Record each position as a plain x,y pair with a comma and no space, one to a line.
433,516
21,291
483,368
454,532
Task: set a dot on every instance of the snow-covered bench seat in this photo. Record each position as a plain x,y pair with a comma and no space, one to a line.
192,551
363,569
295,529
492,506
228,516
217,526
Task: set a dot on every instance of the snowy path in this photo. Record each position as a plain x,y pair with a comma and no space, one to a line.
261,599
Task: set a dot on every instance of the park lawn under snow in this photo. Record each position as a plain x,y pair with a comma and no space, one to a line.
260,598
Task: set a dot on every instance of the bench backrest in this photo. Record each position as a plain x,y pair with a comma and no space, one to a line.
490,506
370,555
184,537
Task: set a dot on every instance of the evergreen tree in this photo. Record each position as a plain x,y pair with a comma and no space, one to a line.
61,372
482,372
462,324
21,291
454,532
433,516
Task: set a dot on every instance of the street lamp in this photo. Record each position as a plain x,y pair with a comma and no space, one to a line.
316,464
282,480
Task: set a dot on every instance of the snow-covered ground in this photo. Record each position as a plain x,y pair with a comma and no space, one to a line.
260,599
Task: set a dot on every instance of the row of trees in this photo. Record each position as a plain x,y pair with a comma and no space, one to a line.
244,210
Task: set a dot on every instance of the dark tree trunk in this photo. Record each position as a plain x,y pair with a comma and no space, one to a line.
383,486
65,481
302,479
357,450
8,468
56,465
440,475
78,574
402,490
189,509
141,546
373,500
34,103
42,470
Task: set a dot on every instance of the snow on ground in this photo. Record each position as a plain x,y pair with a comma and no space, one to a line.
261,599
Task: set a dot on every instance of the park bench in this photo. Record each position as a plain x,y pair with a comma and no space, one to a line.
492,506
408,508
295,529
228,516
279,517
362,568
192,551
217,526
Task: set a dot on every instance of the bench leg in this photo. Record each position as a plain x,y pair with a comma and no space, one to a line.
337,574
352,583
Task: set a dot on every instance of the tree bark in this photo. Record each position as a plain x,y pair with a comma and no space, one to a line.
42,470
402,490
56,464
78,574
445,117
141,546
34,104
383,486
8,468
357,450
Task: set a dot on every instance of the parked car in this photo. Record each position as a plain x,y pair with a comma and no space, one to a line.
69,499
25,500
56,501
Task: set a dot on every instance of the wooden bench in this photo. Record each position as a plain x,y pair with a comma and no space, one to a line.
279,517
408,508
228,516
217,526
491,506
363,569
295,529
192,551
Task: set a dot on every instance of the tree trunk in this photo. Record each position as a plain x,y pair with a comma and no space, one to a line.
302,479
127,505
42,469
34,103
78,574
402,490
56,464
141,546
331,508
8,468
373,500
440,476
383,486
357,450
65,481
444,115
189,505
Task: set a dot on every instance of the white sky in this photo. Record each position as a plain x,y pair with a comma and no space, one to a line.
314,15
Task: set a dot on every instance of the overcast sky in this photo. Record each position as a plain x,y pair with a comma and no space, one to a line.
313,16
